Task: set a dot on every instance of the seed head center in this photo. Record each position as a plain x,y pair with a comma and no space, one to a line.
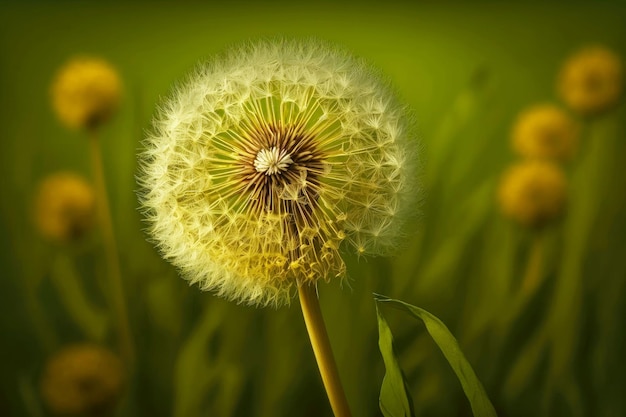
272,161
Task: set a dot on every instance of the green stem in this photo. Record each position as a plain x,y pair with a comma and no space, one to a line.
115,277
534,269
531,281
321,348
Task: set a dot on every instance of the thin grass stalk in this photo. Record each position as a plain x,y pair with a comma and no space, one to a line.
117,297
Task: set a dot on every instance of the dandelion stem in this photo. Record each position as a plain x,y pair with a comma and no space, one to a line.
117,297
534,269
322,350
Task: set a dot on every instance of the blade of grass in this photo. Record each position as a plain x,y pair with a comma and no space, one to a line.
395,400
474,391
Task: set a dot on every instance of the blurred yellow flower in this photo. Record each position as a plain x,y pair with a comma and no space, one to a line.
82,380
64,207
591,80
86,92
545,131
267,160
533,192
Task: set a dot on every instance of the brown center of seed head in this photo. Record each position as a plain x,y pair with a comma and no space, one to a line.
282,171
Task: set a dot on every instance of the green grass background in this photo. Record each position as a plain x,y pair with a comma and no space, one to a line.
466,70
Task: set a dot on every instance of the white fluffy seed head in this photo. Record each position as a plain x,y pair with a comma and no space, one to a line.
267,160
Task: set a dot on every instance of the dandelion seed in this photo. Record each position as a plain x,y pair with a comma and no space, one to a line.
533,192
260,162
591,81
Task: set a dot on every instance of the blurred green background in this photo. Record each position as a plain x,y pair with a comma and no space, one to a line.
467,70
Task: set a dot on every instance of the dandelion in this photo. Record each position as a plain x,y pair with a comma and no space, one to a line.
545,131
533,192
82,379
591,81
86,92
64,207
265,163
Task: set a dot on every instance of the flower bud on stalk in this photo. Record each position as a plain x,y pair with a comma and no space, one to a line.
545,132
592,80
64,207
533,192
85,93
82,380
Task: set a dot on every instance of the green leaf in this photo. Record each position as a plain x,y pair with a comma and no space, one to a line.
395,400
481,406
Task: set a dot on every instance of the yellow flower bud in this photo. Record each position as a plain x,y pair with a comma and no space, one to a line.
533,192
545,131
591,81
86,92
64,207
82,380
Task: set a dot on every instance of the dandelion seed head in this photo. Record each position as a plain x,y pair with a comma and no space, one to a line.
260,164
